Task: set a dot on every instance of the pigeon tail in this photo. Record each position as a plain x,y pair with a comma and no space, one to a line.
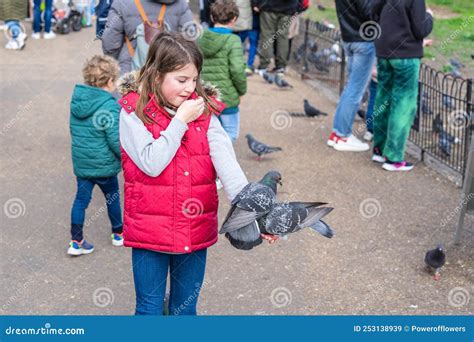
322,228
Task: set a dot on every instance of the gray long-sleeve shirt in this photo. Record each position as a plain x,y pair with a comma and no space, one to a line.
152,155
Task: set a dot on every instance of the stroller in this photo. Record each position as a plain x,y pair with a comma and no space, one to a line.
67,19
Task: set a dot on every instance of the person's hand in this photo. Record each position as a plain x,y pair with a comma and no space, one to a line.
270,238
190,110
256,9
427,42
430,11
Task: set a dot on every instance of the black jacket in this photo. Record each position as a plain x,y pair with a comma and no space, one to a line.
289,7
351,15
404,24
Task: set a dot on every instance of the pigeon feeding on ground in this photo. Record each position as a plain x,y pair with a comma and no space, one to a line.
253,201
438,124
281,83
260,148
309,111
435,259
270,78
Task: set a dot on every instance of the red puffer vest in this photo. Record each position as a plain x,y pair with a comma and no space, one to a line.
175,212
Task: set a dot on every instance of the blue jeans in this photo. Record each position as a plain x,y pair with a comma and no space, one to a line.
110,188
231,124
150,271
369,119
252,35
48,13
361,57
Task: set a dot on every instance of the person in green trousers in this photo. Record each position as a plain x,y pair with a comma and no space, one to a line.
403,24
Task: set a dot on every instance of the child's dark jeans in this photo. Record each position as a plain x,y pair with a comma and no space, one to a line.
110,188
150,271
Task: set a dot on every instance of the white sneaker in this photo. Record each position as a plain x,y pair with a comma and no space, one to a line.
22,36
15,44
368,136
378,159
49,35
351,144
36,35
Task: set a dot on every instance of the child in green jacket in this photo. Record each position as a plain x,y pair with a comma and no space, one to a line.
224,63
94,126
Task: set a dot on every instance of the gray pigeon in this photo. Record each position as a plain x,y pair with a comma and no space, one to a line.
260,148
253,201
435,259
286,218
270,78
281,83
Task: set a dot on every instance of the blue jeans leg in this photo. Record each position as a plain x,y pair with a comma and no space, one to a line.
253,39
361,58
150,271
48,14
81,202
231,124
369,119
110,189
187,275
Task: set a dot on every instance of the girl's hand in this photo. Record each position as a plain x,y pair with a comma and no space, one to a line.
190,110
270,238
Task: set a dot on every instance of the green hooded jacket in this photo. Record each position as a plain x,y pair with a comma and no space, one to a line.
94,126
224,64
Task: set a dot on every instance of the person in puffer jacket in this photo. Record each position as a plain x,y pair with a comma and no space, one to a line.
173,148
94,126
224,63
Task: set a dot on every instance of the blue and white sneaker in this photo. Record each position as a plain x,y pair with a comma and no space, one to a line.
78,248
117,239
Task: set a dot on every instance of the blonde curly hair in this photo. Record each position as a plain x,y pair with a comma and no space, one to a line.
98,70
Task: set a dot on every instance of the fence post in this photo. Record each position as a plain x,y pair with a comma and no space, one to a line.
305,44
342,76
469,126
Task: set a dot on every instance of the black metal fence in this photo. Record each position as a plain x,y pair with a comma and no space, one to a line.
445,113
317,53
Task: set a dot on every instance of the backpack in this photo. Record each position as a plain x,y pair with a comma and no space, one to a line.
144,34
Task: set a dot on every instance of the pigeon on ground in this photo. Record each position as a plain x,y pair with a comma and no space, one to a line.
312,111
447,101
435,259
456,63
270,78
425,107
253,201
309,111
281,83
437,124
260,148
444,142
